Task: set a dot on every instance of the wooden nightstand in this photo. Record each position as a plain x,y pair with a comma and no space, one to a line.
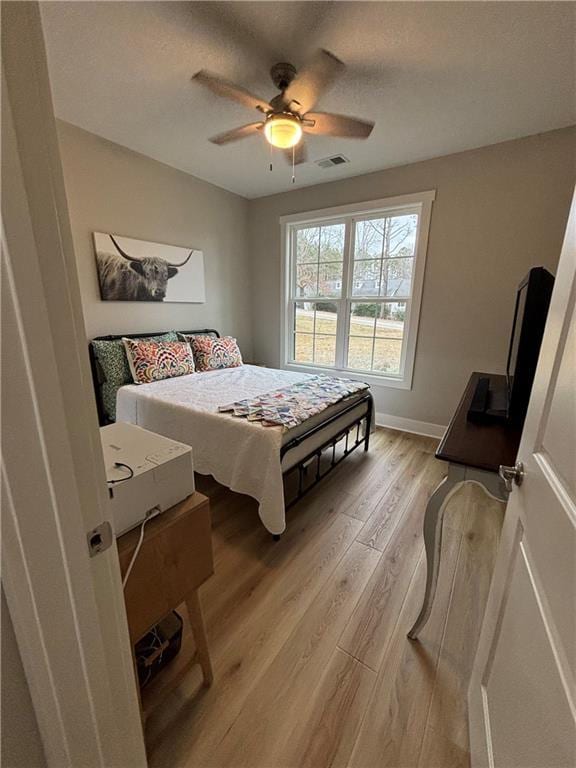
174,560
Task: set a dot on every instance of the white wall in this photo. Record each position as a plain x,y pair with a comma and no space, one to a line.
112,189
499,210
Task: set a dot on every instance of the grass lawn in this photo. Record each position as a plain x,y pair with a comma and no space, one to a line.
387,344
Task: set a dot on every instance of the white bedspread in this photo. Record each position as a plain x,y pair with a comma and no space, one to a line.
243,455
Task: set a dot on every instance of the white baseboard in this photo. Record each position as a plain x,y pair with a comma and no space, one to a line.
409,425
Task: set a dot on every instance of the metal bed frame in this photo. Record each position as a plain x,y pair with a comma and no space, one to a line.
344,434
350,433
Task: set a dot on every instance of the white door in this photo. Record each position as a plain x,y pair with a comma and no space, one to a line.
66,607
522,693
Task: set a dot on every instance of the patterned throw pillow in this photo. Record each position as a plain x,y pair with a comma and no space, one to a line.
111,356
152,360
211,353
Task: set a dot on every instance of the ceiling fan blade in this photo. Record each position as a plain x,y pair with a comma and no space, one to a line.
237,133
222,87
300,154
327,124
313,80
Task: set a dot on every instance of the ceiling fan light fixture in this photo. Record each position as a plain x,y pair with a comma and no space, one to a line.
283,131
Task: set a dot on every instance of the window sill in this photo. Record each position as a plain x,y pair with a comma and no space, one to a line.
388,382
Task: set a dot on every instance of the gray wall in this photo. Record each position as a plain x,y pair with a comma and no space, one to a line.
499,210
112,189
20,745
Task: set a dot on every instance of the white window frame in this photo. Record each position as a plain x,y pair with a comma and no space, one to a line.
420,203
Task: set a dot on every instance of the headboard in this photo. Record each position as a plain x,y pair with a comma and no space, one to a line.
98,376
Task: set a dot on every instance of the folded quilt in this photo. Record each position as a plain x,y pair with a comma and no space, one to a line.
290,406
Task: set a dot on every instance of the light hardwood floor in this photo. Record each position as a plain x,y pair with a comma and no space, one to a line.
312,667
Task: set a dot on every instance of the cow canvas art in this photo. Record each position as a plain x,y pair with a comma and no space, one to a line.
136,270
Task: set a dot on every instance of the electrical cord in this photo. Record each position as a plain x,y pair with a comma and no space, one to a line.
154,512
121,479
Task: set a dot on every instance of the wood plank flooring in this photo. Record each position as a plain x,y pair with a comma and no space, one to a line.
312,667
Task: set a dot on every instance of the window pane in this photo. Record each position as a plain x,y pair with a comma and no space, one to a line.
400,235
360,353
326,317
325,350
379,326
304,316
369,239
387,355
366,279
362,318
388,236
396,277
332,242
315,325
303,346
307,280
307,242
330,279
390,320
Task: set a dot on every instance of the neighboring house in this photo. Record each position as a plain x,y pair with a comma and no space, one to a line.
397,286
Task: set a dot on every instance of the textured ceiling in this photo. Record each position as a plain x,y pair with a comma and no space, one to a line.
436,78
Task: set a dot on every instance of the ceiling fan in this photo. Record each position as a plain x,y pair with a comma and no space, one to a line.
288,115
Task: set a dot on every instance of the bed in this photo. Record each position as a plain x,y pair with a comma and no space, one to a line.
245,456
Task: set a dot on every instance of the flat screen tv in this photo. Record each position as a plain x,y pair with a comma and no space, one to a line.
530,313
509,403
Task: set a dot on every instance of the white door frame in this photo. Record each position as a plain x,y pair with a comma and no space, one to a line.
67,608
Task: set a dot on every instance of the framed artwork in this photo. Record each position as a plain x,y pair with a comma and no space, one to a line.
137,270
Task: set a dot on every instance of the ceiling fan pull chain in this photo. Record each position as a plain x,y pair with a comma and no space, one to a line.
271,148
293,177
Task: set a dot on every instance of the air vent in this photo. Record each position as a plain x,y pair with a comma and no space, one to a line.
328,162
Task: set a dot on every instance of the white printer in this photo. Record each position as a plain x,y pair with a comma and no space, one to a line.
143,470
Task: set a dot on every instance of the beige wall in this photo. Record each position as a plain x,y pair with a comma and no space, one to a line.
112,189
499,210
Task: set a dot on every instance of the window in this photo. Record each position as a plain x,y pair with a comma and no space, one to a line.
353,282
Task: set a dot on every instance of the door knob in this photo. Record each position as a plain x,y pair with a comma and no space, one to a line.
511,475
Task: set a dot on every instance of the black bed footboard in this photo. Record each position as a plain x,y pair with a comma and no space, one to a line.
351,434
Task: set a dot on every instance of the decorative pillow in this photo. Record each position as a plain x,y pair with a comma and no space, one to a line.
211,353
156,360
111,356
